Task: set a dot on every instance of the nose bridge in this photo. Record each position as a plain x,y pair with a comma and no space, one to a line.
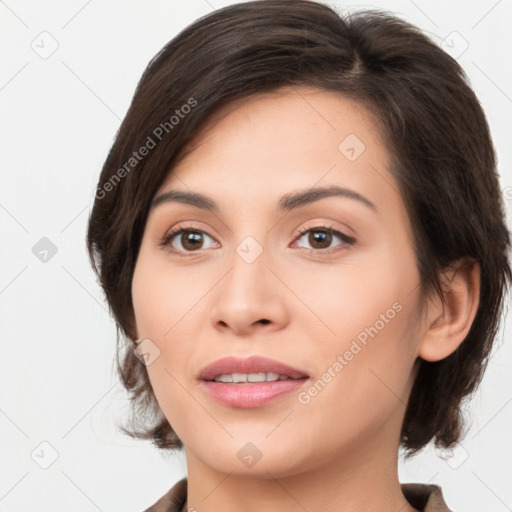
247,295
246,282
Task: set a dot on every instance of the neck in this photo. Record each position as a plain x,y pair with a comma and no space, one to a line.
354,481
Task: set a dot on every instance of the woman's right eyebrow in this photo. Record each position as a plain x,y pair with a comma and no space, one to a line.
286,203
183,196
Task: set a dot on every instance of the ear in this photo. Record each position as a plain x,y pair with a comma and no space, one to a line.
448,324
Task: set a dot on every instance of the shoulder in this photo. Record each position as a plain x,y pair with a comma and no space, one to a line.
173,500
425,497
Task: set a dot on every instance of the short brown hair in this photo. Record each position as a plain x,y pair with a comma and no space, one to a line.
431,120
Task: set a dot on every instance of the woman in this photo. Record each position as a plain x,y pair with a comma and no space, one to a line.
300,233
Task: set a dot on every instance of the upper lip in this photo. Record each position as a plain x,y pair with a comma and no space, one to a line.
253,364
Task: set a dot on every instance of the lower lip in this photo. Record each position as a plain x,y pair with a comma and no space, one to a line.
246,395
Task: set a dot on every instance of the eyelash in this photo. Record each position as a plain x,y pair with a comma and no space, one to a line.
165,241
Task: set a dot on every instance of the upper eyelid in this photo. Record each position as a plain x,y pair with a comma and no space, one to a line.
298,232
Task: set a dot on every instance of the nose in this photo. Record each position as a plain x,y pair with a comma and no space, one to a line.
249,298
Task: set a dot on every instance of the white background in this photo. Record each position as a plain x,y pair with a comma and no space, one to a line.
58,384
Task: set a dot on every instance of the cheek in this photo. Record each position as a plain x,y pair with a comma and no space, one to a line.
167,308
363,374
162,296
363,320
364,296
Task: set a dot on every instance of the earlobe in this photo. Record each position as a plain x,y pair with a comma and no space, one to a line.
448,324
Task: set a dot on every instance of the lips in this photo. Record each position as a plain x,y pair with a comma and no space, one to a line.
253,364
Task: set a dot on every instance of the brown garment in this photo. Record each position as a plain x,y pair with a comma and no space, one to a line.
423,497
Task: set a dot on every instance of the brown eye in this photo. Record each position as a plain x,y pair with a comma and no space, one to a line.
185,240
191,240
322,237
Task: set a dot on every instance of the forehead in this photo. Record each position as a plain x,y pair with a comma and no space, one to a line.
294,137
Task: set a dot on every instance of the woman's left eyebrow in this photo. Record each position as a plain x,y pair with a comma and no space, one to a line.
303,197
286,203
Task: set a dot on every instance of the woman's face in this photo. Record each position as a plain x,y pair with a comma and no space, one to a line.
341,307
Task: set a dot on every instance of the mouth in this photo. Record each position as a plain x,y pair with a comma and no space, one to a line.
250,378
252,382
251,370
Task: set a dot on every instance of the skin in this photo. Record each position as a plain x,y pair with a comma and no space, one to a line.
339,451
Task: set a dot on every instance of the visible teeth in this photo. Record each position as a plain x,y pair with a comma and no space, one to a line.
250,377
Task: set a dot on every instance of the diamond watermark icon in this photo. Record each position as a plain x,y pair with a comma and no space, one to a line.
454,44
249,249
45,45
147,352
249,454
455,456
44,455
351,147
44,250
